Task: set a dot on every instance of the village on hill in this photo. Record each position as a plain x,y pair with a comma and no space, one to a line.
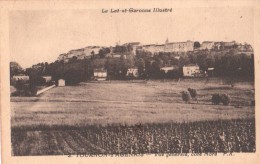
134,60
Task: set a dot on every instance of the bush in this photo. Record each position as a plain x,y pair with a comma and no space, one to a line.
186,96
216,99
24,89
193,93
225,98
221,98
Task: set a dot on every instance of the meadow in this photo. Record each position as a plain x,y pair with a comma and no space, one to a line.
36,120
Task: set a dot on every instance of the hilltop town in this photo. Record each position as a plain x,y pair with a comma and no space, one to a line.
134,60
155,49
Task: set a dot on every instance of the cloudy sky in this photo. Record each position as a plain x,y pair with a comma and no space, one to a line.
41,35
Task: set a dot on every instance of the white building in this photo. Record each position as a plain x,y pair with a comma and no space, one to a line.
191,70
61,83
179,46
21,77
100,74
132,72
207,45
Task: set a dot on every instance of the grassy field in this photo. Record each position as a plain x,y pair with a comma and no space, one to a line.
133,117
131,102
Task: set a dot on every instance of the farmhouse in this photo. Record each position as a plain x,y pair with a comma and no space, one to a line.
100,74
132,72
191,70
21,77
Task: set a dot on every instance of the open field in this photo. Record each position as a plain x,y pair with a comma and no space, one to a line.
130,103
133,117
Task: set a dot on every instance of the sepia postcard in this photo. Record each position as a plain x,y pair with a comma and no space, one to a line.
130,81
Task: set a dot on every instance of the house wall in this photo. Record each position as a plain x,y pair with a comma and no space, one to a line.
189,71
179,46
100,75
61,83
132,72
25,78
206,45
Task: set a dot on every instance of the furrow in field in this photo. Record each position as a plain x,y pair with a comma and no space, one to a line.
71,142
39,142
62,144
54,147
88,145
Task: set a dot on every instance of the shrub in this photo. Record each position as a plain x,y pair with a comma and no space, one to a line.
225,99
186,96
221,98
216,99
193,93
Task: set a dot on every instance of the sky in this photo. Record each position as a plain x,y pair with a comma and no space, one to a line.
41,35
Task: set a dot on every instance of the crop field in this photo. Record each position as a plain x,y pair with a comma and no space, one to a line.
70,119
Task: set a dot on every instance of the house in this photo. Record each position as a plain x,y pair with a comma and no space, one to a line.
154,48
47,78
100,74
21,77
222,45
179,46
191,70
61,83
207,45
229,44
132,72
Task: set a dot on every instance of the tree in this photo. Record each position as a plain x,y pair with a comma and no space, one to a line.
73,76
140,66
103,52
15,69
196,44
